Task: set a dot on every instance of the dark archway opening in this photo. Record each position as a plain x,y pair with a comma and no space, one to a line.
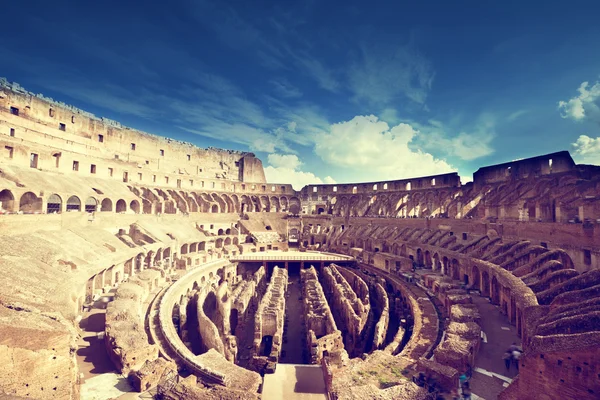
266,345
233,320
192,327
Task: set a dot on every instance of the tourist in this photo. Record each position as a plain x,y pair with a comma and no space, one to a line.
466,391
513,347
462,379
515,357
507,357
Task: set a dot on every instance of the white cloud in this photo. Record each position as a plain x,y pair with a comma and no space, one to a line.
373,150
284,161
468,144
383,74
587,150
285,168
586,104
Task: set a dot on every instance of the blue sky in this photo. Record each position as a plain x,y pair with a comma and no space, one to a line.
326,91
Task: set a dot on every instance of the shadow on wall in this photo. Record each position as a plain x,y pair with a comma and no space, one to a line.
309,379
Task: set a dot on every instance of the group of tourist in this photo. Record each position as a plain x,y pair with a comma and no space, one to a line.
512,355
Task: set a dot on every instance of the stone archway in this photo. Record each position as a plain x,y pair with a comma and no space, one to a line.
475,280
7,200
91,205
106,205
495,292
121,206
485,284
73,204
54,204
134,206
30,203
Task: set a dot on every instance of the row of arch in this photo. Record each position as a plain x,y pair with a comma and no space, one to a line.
491,280
430,203
159,258
168,203
206,202
29,202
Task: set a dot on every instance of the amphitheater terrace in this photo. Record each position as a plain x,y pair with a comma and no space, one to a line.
136,263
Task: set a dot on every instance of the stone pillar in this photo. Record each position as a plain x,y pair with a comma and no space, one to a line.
558,214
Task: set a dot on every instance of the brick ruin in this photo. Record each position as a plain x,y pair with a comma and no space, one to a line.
268,326
321,330
134,254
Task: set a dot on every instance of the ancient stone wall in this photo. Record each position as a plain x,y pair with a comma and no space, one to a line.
74,134
209,332
125,338
352,311
270,314
321,329
381,302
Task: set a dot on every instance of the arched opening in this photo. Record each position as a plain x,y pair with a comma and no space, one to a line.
121,206
30,203
485,284
233,320
54,204
266,345
220,232
219,243
134,206
227,241
7,201
91,204
228,231
214,209
495,291
455,270
420,258
140,260
170,207
210,307
147,207
475,281
73,204
166,256
236,241
192,327
106,205
428,261
321,210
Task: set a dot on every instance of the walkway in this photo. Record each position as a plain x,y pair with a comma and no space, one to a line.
490,376
293,349
295,382
99,379
290,256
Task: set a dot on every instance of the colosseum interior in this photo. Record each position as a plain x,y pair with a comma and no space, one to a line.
138,266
